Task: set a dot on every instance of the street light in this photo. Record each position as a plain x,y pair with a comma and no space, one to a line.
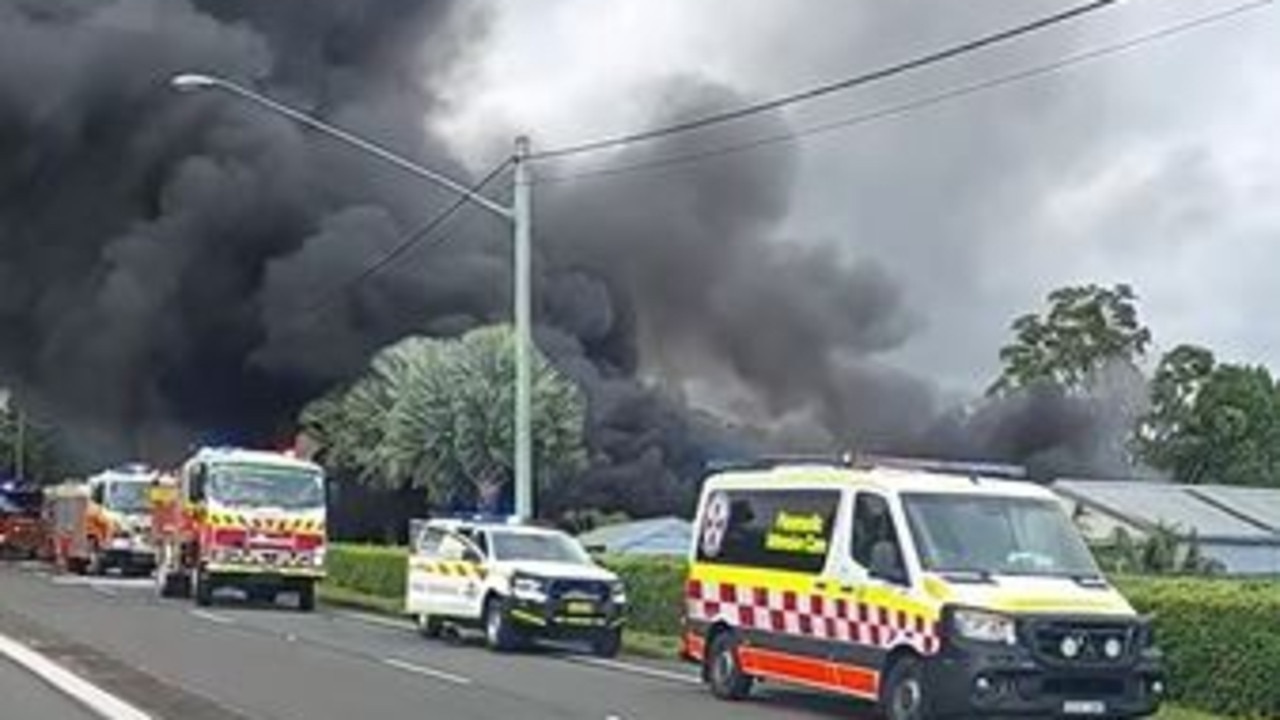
519,214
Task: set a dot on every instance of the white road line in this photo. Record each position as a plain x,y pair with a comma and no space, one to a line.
211,617
426,671
374,620
101,590
99,701
644,670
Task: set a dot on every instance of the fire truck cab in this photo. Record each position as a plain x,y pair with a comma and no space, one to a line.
243,519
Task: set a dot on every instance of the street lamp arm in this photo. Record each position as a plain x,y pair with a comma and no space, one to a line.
192,82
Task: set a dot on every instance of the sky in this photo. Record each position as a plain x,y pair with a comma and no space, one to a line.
1157,167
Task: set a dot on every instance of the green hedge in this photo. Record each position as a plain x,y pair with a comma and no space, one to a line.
655,592
1221,640
368,569
1221,637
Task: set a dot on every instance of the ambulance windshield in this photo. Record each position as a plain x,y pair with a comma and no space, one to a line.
993,535
265,486
128,498
538,547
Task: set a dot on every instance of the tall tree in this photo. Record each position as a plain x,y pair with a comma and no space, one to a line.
437,415
1212,422
1085,329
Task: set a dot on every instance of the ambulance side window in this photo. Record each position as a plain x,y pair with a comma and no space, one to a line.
774,529
875,543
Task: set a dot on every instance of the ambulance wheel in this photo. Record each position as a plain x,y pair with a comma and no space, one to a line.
429,627
203,588
723,672
77,566
499,633
902,695
608,643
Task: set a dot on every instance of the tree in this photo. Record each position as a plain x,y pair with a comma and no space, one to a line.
1212,422
1086,328
437,415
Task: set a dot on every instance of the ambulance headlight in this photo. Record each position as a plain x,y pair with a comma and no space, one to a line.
527,587
618,592
984,626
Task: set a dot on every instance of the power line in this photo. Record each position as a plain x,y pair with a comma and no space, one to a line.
406,243
922,102
867,78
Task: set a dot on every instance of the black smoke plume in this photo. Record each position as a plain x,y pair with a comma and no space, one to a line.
161,256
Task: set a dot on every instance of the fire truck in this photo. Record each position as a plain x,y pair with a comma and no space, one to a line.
21,531
240,519
103,523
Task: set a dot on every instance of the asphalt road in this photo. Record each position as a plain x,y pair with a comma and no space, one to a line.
24,696
234,662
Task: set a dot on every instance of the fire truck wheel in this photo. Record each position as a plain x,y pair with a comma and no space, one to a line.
307,597
203,588
97,566
173,584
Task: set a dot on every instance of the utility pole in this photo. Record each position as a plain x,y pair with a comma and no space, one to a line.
523,221
19,460
520,215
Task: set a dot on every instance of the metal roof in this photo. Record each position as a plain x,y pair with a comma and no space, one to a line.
1148,504
657,536
1262,505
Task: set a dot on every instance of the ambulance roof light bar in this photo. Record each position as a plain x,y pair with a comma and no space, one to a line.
869,461
975,469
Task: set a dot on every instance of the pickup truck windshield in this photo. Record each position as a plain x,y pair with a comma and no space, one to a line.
263,486
531,547
996,535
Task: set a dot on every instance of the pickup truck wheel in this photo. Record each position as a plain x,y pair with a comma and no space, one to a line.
429,627
499,633
608,643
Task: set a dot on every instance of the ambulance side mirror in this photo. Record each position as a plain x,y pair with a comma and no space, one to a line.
472,555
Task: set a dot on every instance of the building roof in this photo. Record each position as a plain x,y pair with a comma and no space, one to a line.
1261,505
1212,512
656,536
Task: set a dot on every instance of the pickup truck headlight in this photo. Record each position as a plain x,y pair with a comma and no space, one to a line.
527,587
618,592
984,626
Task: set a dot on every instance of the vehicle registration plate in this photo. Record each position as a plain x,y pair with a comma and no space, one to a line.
580,607
1084,707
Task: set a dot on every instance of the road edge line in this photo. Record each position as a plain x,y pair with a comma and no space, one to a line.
95,699
635,669
425,671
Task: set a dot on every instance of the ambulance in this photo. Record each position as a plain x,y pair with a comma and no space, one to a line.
931,589
516,582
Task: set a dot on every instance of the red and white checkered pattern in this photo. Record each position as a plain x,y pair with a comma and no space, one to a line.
812,616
